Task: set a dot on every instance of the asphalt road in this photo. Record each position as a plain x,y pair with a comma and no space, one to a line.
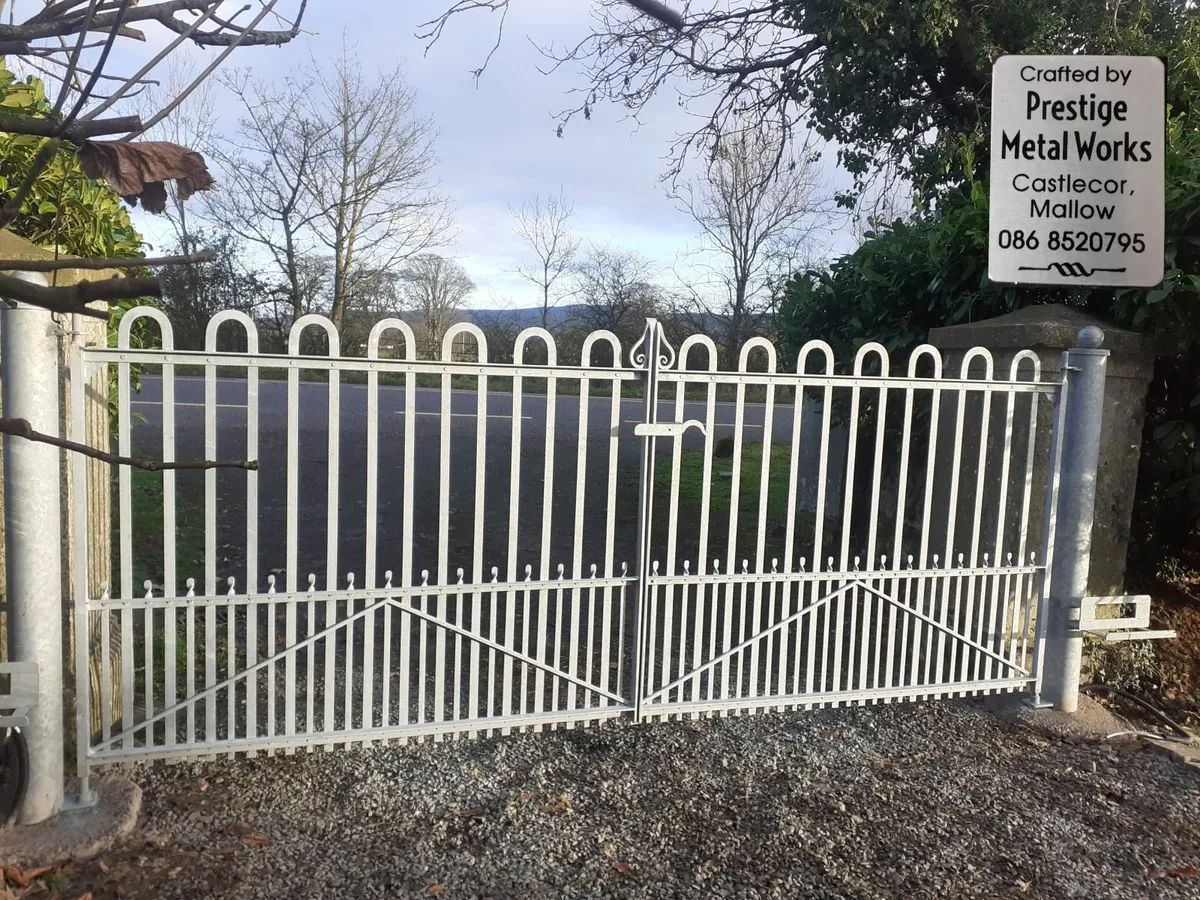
500,528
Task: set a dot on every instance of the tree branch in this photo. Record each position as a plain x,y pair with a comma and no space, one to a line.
163,13
76,132
55,265
76,297
22,429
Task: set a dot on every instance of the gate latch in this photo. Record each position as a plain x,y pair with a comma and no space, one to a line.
1120,628
667,429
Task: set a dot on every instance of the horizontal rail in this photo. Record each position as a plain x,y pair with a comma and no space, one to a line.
357,735
384,593
765,701
508,370
837,574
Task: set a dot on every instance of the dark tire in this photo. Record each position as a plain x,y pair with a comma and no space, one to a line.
14,773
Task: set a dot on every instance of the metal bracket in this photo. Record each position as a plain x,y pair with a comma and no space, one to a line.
22,693
1119,628
78,801
667,429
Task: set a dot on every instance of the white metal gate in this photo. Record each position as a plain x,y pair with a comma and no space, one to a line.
536,543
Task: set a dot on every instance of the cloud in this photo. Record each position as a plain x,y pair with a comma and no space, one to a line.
497,144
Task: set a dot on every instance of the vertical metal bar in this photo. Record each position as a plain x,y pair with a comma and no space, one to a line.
727,642
442,577
577,537
847,511
870,602
1001,518
83,680
610,595
252,586
210,551
921,633
293,561
190,648
481,414
703,597
976,526
547,514
230,665
514,499
1086,367
408,575
819,526
789,550
1026,500
951,524
651,348
371,539
764,491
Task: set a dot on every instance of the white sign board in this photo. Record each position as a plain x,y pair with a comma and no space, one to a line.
1078,144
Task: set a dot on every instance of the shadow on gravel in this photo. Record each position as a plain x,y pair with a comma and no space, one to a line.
933,800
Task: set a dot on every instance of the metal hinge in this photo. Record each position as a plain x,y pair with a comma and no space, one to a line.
1120,628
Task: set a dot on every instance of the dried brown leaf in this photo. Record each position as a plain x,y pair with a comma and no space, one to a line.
239,829
559,806
138,170
225,851
87,895
470,813
257,840
621,867
436,889
25,877
1188,871
102,866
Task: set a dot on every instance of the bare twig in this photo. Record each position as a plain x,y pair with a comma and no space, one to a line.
22,429
76,297
145,70
54,265
211,67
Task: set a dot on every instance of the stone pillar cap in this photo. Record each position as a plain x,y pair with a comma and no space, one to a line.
1049,325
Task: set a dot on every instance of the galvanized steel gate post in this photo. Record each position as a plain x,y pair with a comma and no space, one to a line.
33,542
1077,442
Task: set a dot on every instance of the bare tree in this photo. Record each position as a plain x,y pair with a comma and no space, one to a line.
435,287
336,163
190,124
543,224
735,59
265,168
53,41
617,290
373,171
759,210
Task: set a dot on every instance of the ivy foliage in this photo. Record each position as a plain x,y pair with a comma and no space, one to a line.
79,216
931,270
907,82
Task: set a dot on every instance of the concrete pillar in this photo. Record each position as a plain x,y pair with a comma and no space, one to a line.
1048,330
32,480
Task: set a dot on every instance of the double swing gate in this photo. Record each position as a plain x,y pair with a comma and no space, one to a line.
642,534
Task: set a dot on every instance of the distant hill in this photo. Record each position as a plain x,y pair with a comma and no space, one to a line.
524,318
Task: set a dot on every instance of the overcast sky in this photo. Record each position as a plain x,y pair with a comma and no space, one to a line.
497,144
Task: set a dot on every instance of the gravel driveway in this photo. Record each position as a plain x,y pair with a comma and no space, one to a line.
932,800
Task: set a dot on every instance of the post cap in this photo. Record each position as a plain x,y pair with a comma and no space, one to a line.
1090,337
